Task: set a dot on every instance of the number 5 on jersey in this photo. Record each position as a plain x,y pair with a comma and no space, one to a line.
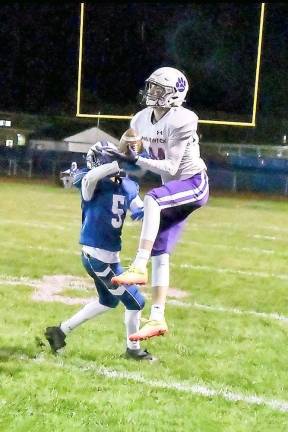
118,200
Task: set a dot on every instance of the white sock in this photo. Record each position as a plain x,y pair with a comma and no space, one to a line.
132,323
142,259
88,312
157,312
160,272
150,228
151,221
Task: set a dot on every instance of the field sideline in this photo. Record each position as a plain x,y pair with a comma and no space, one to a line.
223,365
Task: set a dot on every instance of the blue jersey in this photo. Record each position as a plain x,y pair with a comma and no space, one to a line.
104,214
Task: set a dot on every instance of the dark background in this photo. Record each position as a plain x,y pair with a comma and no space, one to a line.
214,44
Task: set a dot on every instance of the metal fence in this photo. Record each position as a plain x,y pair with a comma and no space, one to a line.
239,167
230,167
37,164
226,149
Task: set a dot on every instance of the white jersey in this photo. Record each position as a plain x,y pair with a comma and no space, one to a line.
172,143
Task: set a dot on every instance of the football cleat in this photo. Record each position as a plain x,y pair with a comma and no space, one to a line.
56,338
150,329
139,354
131,276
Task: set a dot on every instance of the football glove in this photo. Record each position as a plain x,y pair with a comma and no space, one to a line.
130,158
137,215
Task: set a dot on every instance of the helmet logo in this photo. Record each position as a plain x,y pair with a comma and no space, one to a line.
180,84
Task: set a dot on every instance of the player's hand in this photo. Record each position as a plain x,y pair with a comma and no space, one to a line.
137,215
97,149
130,156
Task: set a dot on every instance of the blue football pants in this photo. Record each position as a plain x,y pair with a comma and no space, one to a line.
109,294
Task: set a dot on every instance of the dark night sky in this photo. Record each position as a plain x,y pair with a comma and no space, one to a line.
214,44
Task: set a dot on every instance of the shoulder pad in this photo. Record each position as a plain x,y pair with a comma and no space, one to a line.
137,115
182,116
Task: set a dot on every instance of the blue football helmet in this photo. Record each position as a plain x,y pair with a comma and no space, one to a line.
96,155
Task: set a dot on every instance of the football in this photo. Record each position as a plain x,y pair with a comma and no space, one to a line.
132,139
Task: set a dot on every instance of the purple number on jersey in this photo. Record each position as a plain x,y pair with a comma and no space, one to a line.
160,156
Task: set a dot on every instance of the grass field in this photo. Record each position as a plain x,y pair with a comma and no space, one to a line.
223,366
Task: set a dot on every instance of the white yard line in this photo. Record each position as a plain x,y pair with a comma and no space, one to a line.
271,227
60,226
52,250
11,280
282,276
265,237
195,389
234,226
48,291
198,389
205,244
15,245
187,243
210,308
236,248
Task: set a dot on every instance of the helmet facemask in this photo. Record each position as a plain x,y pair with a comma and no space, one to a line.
156,94
92,159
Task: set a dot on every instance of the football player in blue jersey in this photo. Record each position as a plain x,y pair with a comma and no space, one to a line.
106,197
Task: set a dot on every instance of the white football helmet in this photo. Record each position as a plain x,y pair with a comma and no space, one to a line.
166,87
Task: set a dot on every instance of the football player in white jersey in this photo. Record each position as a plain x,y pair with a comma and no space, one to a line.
169,135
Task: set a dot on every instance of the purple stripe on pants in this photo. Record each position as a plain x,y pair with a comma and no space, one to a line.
177,199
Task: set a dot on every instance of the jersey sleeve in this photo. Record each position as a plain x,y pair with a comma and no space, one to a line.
96,174
134,121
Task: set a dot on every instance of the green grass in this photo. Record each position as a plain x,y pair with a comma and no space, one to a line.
237,251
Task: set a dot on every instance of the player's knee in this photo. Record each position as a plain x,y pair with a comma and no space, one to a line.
160,270
132,298
140,302
150,199
111,302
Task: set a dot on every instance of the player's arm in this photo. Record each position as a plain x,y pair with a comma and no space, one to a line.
135,203
137,208
176,146
90,180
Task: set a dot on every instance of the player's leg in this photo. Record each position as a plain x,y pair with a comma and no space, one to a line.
134,302
91,310
173,194
156,324
137,272
150,227
169,232
56,335
172,223
138,269
133,348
